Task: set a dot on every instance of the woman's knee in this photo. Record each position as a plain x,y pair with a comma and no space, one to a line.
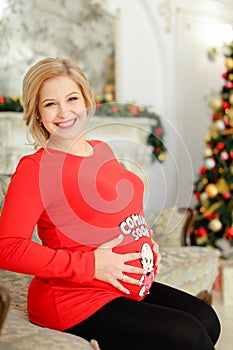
210,320
191,334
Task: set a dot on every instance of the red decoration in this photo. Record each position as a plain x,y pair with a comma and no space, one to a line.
220,146
231,154
158,131
224,75
229,85
157,149
202,170
225,105
2,99
216,116
115,109
197,195
201,232
227,122
210,216
134,110
226,195
229,233
98,104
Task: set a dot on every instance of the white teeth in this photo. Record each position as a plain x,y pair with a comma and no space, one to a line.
65,124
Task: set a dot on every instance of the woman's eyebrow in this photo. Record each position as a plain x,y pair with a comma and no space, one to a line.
74,92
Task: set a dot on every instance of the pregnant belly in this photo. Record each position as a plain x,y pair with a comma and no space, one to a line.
147,263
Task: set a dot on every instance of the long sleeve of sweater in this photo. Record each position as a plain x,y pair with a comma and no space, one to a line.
22,209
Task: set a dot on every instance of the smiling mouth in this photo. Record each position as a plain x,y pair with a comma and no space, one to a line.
66,125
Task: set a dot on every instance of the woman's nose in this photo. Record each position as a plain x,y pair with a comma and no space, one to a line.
63,112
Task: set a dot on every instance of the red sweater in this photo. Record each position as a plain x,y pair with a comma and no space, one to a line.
77,204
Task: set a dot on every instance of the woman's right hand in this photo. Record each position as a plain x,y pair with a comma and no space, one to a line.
110,267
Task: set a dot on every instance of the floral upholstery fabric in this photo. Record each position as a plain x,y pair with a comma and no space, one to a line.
192,269
19,333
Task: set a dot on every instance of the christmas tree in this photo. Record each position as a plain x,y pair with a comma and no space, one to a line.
213,221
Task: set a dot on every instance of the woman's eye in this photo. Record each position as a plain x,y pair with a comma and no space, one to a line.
49,104
73,98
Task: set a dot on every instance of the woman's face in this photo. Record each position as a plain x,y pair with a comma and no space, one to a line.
62,107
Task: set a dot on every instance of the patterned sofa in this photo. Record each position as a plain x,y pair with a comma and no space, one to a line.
192,269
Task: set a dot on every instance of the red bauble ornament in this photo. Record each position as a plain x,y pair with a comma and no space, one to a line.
202,170
227,122
229,233
220,146
224,75
226,195
157,149
197,195
216,116
225,105
2,99
231,154
201,232
229,85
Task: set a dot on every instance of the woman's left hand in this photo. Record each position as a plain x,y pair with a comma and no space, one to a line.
155,249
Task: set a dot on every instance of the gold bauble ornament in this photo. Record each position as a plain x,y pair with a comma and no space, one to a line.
215,103
215,225
202,210
207,138
229,63
211,190
201,240
207,152
205,181
108,97
231,99
220,170
230,77
162,156
222,186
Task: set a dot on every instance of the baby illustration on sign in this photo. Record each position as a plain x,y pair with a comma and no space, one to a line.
148,266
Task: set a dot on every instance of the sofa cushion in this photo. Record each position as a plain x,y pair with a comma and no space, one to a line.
19,333
192,269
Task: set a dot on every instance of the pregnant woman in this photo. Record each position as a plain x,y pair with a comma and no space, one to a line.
94,272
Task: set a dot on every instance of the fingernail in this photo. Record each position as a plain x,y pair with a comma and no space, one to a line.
127,292
120,236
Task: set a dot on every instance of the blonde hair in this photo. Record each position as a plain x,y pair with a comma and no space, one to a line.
35,77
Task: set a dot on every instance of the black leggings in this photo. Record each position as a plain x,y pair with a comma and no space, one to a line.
166,319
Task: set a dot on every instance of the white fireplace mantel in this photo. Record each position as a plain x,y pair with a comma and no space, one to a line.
127,137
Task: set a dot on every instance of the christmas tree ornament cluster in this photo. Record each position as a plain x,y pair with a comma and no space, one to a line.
213,189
